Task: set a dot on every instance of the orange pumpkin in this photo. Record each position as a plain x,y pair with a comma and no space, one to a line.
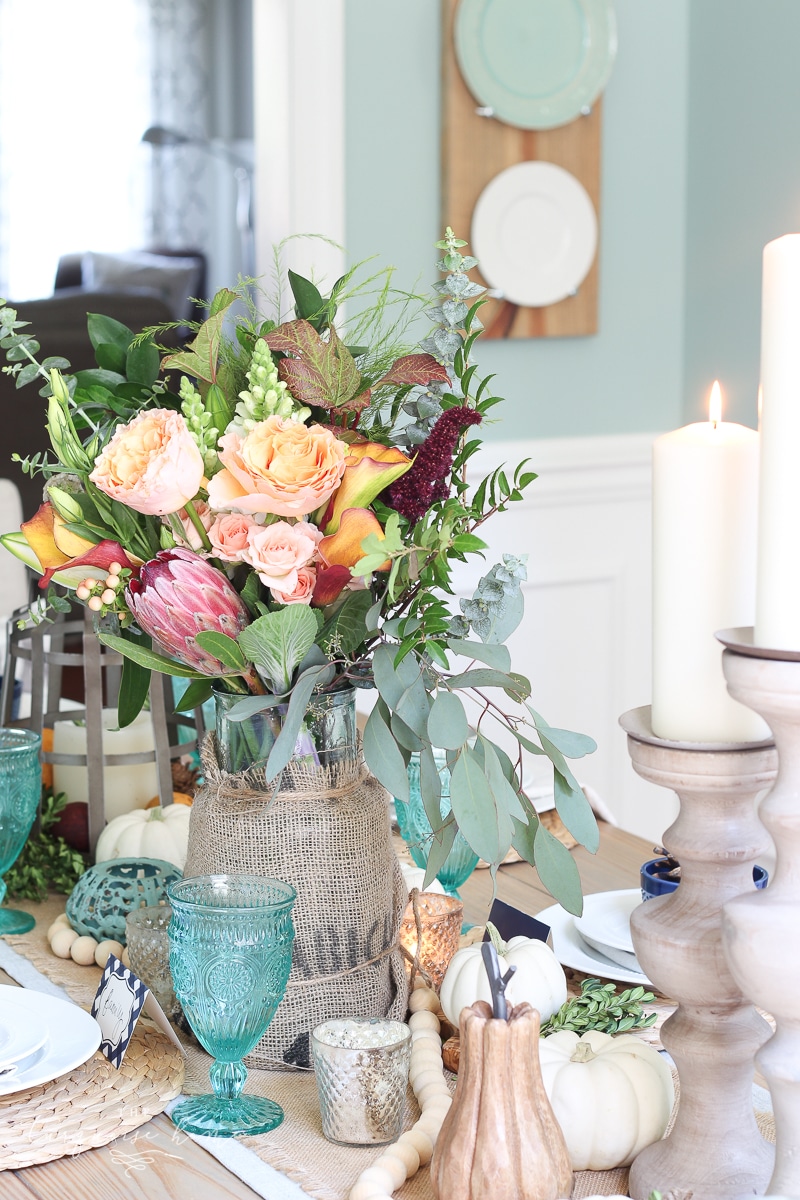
177,798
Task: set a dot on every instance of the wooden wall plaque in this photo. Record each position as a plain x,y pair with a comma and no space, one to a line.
474,150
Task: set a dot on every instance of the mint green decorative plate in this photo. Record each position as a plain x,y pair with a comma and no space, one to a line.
536,63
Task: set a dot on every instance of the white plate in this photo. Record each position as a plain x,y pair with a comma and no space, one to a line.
629,961
73,1037
607,918
534,232
21,1032
572,951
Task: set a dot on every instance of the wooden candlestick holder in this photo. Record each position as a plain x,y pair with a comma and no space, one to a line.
760,939
715,1149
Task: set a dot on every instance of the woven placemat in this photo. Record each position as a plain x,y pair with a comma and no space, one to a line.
297,1148
91,1106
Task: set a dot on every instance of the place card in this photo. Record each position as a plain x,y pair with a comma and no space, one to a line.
120,1000
510,922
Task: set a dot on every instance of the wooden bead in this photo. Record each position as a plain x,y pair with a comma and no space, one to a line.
420,1141
61,922
365,1191
424,1020
82,950
430,1092
62,941
109,946
424,999
423,1035
378,1176
395,1168
426,1077
407,1154
125,958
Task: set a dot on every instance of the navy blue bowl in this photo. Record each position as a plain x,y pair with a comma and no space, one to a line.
656,881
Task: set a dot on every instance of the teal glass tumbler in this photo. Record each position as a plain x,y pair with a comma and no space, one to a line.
416,832
230,941
20,796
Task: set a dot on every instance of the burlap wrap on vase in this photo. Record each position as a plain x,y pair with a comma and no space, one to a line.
328,835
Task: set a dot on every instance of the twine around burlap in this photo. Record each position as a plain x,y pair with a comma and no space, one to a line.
326,831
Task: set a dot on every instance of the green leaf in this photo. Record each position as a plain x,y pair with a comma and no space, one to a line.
133,689
439,850
279,641
110,358
195,696
402,688
572,745
382,754
430,786
502,790
92,377
308,301
199,358
105,331
485,824
225,648
248,706
217,406
576,812
404,736
484,677
557,871
142,363
283,750
447,722
149,658
343,632
496,656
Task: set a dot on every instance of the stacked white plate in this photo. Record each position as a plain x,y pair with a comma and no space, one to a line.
599,941
41,1038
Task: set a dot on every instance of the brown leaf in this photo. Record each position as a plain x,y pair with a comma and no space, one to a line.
317,372
415,369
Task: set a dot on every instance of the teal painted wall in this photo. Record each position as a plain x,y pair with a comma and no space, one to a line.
627,378
743,186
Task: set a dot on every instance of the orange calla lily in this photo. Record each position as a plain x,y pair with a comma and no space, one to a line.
368,469
343,548
58,550
39,533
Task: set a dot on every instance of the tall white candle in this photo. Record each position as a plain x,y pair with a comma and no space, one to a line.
124,788
705,483
777,620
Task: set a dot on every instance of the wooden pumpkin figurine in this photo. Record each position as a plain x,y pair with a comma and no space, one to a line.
500,1137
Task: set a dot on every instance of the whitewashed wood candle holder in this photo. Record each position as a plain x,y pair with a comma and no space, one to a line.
715,1149
761,930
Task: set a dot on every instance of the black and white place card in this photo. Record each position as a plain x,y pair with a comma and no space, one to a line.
120,1000
510,922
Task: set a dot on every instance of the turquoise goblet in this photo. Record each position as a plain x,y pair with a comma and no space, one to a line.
20,794
230,951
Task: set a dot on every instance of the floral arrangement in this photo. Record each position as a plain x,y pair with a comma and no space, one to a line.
277,512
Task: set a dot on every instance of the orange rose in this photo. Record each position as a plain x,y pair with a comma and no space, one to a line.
282,467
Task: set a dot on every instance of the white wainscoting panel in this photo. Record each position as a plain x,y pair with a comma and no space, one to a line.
585,640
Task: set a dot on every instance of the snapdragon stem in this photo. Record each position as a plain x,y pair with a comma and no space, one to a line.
198,524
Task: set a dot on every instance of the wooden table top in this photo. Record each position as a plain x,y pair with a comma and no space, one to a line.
157,1162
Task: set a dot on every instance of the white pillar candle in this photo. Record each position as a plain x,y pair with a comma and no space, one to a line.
705,482
124,788
777,619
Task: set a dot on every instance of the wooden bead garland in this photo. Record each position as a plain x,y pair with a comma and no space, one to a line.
65,942
414,1148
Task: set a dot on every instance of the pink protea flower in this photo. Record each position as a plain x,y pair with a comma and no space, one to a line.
178,595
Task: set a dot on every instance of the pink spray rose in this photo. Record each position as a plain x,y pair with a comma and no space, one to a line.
279,551
152,464
306,579
282,467
228,536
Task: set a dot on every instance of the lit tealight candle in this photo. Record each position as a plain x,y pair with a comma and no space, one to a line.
705,499
440,928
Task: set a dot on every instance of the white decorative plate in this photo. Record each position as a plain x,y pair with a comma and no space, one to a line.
534,231
536,63
21,1032
606,918
572,951
72,1038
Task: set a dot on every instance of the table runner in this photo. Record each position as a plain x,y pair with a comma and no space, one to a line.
296,1148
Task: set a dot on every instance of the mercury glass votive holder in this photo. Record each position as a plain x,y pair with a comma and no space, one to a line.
148,951
361,1067
440,925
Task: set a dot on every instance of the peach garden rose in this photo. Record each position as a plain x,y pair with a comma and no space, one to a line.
152,464
228,536
282,467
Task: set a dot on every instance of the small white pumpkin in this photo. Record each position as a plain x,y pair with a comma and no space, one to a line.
612,1096
539,978
414,877
148,833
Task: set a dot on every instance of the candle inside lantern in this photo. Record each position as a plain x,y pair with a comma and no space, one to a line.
440,927
124,787
777,618
361,1067
705,481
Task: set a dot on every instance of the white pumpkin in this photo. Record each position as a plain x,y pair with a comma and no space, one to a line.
414,877
539,978
148,833
612,1096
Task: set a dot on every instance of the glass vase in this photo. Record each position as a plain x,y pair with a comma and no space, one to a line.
416,832
20,795
327,737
